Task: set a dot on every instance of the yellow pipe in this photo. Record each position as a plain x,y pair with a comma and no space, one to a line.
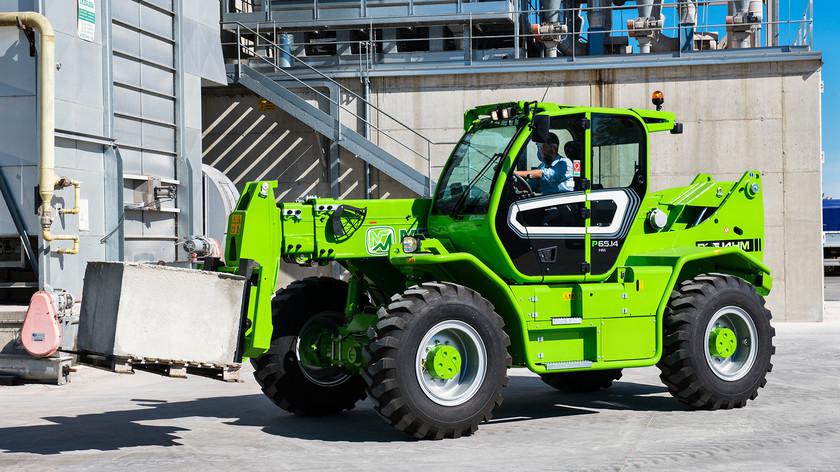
46,119
77,190
48,236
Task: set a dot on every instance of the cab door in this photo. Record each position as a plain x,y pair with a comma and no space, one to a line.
544,231
618,173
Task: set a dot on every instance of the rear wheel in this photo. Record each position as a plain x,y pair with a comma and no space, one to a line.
718,342
439,361
305,315
581,382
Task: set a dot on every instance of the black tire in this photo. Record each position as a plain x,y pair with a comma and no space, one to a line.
684,367
392,377
582,382
278,371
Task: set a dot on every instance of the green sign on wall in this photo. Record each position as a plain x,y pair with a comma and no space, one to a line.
86,25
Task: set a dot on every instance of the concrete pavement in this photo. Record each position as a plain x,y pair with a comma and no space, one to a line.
105,421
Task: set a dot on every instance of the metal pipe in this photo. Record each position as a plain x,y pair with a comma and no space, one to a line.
810,20
285,43
648,27
600,24
743,22
76,197
46,117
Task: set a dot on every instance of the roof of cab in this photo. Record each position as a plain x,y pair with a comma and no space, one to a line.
654,120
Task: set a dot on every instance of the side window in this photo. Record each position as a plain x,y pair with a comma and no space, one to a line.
570,136
529,157
618,150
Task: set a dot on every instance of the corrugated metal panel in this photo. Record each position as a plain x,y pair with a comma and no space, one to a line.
145,116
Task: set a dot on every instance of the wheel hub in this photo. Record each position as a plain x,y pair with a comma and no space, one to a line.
451,363
443,362
313,347
732,343
723,342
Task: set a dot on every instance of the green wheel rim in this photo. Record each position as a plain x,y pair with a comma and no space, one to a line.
731,343
313,338
456,338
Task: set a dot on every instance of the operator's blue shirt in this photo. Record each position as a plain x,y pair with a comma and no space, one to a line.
557,177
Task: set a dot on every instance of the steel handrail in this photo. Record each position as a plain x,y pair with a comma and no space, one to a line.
570,33
344,88
627,7
328,98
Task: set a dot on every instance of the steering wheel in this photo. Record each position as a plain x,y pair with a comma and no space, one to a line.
521,187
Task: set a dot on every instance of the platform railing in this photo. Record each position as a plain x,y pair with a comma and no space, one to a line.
248,49
710,15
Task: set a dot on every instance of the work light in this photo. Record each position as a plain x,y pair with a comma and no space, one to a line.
410,244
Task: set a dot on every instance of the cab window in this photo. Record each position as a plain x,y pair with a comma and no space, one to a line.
467,181
618,149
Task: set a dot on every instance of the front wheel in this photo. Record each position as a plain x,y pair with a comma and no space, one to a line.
718,342
439,361
292,374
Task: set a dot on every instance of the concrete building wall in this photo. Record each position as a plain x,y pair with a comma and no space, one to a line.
761,116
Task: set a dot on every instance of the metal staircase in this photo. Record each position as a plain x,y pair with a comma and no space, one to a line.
258,51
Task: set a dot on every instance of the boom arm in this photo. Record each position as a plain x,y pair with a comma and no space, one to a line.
359,234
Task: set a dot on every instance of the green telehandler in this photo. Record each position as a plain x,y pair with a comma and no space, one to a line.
502,267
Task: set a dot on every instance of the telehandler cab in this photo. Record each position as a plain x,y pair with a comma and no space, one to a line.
445,294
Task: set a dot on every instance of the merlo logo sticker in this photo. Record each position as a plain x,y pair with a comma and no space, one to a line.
378,240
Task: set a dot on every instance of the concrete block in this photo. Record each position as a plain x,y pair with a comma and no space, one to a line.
147,311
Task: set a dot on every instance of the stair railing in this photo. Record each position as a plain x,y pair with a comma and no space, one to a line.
261,40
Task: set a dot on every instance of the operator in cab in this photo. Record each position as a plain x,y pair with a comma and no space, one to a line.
555,173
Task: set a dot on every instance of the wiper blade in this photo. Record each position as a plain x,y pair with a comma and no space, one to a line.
458,204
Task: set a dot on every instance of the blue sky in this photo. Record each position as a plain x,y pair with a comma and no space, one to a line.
826,40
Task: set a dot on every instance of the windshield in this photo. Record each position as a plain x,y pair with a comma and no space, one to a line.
473,153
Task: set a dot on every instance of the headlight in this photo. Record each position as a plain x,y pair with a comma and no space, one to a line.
657,219
410,244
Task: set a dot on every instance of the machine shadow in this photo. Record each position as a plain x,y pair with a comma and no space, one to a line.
526,398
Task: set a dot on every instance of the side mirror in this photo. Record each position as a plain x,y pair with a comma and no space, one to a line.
677,129
540,126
